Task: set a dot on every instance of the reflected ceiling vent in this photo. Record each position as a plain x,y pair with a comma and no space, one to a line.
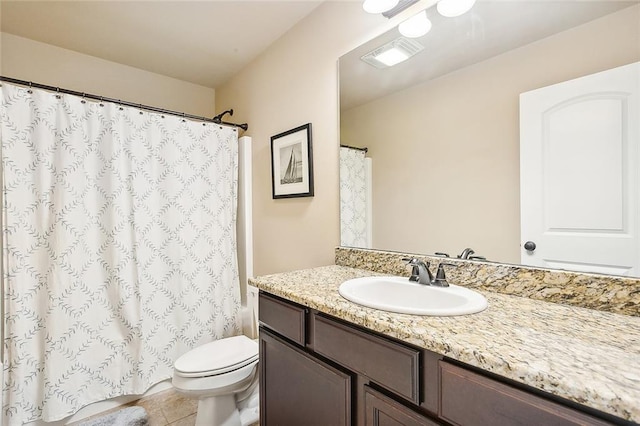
392,53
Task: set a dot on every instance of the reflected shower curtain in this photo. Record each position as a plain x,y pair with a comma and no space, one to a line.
354,191
119,248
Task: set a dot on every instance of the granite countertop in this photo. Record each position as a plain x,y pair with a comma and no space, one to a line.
587,356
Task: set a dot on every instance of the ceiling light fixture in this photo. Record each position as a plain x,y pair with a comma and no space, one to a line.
392,53
402,5
453,8
416,26
379,6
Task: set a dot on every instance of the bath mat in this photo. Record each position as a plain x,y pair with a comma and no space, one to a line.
130,416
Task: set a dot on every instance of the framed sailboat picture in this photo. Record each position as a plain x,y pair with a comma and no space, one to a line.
292,163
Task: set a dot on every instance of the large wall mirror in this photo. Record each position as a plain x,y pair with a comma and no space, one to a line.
442,134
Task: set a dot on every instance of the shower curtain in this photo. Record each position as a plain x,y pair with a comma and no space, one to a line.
354,192
119,248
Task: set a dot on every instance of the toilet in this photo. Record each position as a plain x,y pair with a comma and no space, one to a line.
223,375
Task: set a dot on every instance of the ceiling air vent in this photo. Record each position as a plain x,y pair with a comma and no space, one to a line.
392,53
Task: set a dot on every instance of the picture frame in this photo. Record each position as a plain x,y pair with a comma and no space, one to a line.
292,163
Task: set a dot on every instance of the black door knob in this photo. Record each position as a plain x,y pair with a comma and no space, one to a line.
529,246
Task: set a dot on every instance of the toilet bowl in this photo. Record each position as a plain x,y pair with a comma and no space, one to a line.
223,375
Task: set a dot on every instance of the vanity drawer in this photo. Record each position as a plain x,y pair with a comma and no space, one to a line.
381,410
285,318
469,399
389,364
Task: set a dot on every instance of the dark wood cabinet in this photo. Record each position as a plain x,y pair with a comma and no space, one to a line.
319,370
389,364
298,389
470,399
286,318
380,410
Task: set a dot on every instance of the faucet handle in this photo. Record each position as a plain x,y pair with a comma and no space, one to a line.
415,262
441,279
477,258
415,270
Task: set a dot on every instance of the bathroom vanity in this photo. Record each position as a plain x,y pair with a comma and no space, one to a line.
327,361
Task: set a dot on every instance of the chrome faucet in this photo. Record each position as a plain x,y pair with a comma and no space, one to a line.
466,253
420,272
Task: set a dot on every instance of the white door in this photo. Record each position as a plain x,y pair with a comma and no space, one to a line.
579,173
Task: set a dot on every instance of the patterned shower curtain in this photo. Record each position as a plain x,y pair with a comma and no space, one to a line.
119,248
354,216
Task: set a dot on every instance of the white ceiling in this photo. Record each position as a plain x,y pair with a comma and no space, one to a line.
203,42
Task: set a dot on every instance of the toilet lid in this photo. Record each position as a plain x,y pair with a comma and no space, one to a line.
218,357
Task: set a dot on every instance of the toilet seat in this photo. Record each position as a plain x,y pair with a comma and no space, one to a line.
218,357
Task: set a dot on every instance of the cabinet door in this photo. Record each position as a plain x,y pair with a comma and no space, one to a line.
469,399
296,389
381,410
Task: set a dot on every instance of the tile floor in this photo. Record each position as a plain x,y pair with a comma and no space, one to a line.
169,408
166,408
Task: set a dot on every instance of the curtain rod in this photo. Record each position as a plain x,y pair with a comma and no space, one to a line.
355,147
217,119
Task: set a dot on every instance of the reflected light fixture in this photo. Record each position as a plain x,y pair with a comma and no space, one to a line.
392,57
392,53
379,6
416,26
453,8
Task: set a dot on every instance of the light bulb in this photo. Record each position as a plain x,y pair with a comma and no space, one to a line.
453,8
416,26
379,6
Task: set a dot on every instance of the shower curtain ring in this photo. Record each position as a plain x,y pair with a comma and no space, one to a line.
58,93
30,85
101,104
183,119
82,101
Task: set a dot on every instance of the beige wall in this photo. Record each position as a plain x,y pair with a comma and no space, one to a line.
30,60
446,171
295,82
292,83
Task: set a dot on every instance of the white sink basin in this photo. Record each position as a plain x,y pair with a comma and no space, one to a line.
397,294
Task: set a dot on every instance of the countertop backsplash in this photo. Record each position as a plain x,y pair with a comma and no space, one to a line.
619,295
